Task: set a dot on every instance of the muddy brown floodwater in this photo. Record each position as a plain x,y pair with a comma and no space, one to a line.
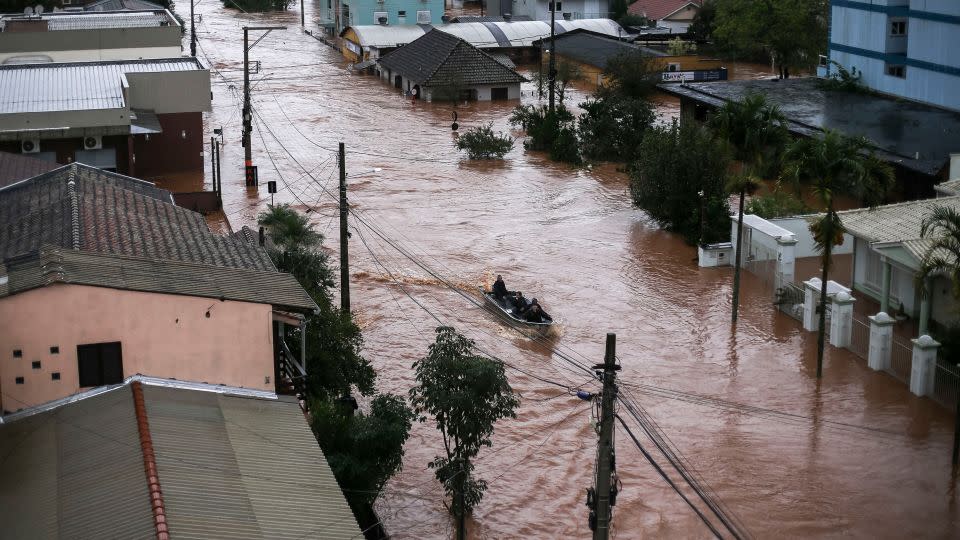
855,456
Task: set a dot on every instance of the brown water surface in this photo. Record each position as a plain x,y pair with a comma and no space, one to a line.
861,457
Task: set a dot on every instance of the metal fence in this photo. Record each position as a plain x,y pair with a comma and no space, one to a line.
946,385
860,337
789,300
901,359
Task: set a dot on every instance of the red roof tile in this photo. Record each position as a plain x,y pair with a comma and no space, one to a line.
658,9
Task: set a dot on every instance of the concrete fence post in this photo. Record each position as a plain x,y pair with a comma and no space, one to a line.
923,365
841,320
881,341
811,296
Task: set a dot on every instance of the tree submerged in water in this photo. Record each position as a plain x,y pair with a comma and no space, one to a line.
484,143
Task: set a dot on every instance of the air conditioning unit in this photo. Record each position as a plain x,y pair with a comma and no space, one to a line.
92,142
30,146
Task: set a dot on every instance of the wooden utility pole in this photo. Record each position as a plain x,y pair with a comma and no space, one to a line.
603,503
956,434
552,71
344,235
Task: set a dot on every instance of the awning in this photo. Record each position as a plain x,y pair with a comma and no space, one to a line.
143,122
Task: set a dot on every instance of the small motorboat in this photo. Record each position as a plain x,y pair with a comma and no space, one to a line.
508,308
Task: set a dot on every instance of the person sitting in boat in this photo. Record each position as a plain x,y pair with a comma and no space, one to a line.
520,304
500,288
536,314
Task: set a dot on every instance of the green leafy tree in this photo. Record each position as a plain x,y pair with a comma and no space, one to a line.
835,164
466,394
778,203
612,127
630,74
365,449
633,20
702,26
790,32
483,143
676,166
567,73
553,132
679,47
942,257
757,131
618,9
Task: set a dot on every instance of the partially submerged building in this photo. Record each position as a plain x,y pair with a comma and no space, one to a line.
516,38
905,48
335,15
675,15
915,138
103,277
591,51
70,36
155,458
143,118
441,66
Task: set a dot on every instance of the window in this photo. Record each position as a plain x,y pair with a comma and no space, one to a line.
897,71
55,349
423,17
17,353
898,28
556,6
497,94
55,375
100,363
401,13
401,17
19,380
36,364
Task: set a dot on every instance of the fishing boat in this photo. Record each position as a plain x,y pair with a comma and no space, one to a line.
506,309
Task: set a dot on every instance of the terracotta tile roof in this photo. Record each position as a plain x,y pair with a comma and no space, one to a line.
231,463
17,167
438,58
658,9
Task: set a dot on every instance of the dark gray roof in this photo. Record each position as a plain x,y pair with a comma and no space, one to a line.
438,58
17,167
592,48
229,465
121,5
900,129
57,265
114,214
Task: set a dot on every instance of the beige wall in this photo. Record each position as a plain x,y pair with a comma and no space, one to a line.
162,335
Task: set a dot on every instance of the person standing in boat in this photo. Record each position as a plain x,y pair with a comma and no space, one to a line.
500,288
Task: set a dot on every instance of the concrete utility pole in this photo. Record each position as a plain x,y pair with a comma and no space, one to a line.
193,34
247,113
552,72
605,462
344,235
302,24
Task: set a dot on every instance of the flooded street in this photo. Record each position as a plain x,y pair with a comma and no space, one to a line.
854,456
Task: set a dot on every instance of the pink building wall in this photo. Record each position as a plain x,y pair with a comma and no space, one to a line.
161,335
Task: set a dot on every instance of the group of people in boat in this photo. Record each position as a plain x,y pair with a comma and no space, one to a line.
529,311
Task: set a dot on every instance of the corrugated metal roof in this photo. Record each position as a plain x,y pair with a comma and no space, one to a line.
242,468
484,35
80,86
229,467
82,20
120,5
75,472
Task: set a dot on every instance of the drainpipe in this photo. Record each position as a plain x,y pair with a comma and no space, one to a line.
303,343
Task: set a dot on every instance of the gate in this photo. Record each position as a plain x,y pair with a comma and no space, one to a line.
789,300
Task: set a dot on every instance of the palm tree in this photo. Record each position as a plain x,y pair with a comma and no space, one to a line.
757,131
289,229
835,164
943,254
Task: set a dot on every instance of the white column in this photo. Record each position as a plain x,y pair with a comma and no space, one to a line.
841,320
786,261
924,365
811,296
881,341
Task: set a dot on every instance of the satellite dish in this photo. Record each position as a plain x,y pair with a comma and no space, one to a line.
28,10
38,10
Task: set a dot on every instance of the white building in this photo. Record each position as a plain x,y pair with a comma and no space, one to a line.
907,48
539,10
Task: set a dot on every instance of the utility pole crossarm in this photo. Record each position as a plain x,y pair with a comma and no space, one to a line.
267,29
